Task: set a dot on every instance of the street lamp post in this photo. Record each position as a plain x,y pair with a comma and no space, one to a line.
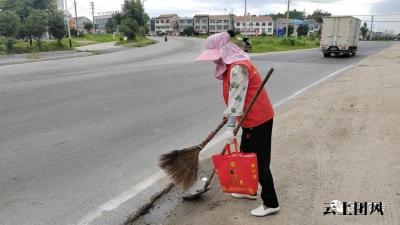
287,19
69,30
245,18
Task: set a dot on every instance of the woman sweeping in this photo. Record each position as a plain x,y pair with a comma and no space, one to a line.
241,80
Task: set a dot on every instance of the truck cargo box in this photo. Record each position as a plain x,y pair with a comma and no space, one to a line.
340,35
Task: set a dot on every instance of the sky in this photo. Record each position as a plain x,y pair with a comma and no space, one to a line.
358,8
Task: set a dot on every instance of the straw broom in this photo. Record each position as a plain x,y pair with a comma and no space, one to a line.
182,165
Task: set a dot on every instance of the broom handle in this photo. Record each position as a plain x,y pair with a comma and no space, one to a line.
243,118
213,133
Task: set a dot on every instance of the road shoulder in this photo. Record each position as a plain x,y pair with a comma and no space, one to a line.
338,140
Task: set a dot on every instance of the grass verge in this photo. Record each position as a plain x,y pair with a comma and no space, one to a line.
97,38
21,47
137,43
264,44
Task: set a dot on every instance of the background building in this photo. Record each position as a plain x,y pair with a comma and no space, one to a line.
81,23
256,25
185,22
101,19
280,25
313,26
168,23
218,23
201,24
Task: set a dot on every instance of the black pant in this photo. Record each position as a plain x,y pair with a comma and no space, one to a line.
258,140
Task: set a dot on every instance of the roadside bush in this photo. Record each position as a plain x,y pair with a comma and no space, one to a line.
312,37
288,41
2,46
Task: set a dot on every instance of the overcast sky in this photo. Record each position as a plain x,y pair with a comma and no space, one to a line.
191,7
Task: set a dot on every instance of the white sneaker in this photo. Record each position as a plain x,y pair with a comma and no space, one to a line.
262,210
252,197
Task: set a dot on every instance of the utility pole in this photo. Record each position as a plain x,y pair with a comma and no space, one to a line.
287,18
245,18
76,19
69,30
372,21
94,22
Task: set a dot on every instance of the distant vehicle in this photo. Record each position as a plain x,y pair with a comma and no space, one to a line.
340,35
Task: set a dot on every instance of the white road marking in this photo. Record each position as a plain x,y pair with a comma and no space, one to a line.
138,188
123,197
316,83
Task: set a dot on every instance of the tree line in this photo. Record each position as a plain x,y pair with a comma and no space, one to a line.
29,20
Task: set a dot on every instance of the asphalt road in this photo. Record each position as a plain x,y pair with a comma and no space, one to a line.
75,133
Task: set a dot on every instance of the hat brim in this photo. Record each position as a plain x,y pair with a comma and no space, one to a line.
209,55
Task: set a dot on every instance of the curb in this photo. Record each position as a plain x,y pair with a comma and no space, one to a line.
125,208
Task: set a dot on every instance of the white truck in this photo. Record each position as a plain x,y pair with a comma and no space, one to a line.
340,35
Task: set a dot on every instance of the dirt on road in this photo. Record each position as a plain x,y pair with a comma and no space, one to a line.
338,141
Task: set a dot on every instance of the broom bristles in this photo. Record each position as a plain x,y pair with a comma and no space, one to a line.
182,166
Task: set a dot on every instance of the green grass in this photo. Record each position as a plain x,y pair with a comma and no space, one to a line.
138,42
21,47
273,44
97,38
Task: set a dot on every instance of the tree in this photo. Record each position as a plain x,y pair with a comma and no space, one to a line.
129,27
318,14
364,30
294,14
9,26
48,5
188,31
111,26
291,30
302,30
134,19
88,26
278,15
36,25
57,26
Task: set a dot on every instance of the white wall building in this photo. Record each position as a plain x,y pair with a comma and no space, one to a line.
168,23
219,23
201,23
101,19
256,25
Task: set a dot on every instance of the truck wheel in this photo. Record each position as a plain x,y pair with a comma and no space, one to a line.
327,54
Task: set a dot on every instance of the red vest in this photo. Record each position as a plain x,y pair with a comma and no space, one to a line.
262,110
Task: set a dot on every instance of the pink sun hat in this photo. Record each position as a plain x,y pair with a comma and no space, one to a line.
220,46
213,47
